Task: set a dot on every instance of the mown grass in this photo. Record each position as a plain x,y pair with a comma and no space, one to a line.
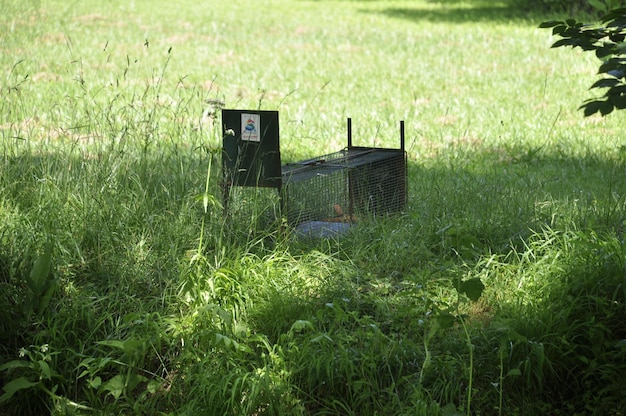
124,290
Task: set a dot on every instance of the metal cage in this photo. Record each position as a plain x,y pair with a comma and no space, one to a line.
327,193
341,186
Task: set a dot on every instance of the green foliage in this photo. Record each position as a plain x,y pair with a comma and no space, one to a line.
467,290
125,290
40,285
606,39
590,308
33,371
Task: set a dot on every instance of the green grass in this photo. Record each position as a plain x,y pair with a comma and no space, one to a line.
124,291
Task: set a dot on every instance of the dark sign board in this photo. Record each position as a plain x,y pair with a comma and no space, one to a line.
251,149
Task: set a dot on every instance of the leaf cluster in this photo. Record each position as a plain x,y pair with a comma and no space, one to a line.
607,40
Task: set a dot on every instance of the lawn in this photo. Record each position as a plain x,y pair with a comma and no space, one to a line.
123,290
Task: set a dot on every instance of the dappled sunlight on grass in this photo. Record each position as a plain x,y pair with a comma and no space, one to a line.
500,283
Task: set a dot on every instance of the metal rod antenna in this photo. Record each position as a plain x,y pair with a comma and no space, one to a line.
349,132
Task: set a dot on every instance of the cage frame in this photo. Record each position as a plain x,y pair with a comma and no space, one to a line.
348,160
295,172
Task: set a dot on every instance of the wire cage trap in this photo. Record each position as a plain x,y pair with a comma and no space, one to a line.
321,196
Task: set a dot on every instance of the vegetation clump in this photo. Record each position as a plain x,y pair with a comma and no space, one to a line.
124,289
606,39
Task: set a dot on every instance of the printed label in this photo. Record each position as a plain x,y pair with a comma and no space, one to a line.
250,127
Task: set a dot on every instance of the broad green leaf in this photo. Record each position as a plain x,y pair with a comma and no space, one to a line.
226,341
605,83
514,372
450,410
153,386
300,325
223,340
95,382
133,379
39,273
565,42
508,334
209,199
472,288
45,370
13,386
613,15
606,108
611,65
115,386
128,346
224,315
603,51
550,23
230,343
558,29
15,364
619,49
444,320
47,295
619,101
591,107
244,348
133,318
134,346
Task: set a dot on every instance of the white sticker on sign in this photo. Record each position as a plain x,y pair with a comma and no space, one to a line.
250,127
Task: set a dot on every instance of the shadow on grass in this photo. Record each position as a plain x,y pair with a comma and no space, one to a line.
460,12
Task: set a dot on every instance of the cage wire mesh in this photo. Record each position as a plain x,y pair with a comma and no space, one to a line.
345,185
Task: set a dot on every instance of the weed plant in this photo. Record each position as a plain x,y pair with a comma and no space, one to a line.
124,289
